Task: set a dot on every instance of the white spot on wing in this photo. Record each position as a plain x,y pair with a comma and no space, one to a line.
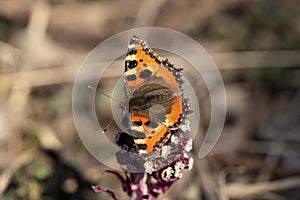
131,46
131,72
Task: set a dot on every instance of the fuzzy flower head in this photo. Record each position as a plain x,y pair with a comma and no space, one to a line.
159,169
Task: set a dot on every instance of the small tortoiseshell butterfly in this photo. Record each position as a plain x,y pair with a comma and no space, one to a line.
155,102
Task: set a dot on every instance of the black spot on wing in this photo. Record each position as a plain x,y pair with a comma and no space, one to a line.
145,74
130,64
131,77
157,60
131,52
137,123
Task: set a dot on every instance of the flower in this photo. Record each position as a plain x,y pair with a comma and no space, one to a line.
158,170
150,186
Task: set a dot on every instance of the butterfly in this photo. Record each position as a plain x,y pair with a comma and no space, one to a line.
155,103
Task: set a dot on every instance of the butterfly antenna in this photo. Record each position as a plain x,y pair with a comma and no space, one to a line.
121,103
108,96
107,126
104,94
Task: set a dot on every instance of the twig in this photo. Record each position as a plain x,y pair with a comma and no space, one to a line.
224,61
210,188
41,77
148,12
239,190
256,59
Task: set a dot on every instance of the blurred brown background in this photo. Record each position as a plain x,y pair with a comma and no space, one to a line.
255,44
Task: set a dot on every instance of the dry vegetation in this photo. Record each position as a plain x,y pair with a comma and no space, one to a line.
255,44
